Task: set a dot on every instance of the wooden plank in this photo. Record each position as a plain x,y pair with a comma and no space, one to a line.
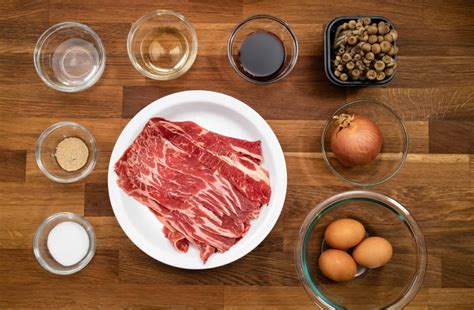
448,71
402,13
24,206
458,270
265,296
448,14
98,175
20,267
14,137
304,136
12,166
37,100
96,200
120,11
451,297
266,265
451,137
109,295
447,103
109,235
418,170
11,10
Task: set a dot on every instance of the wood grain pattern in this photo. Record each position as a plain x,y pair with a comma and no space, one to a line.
432,92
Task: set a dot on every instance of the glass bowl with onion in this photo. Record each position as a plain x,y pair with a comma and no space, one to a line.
364,142
391,284
66,152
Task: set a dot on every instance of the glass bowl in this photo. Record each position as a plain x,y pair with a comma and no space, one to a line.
391,286
40,247
162,45
46,149
269,24
69,57
394,144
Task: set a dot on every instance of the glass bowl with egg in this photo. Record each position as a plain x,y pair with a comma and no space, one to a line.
364,142
361,250
66,152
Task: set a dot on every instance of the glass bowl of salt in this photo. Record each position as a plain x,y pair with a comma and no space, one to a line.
64,243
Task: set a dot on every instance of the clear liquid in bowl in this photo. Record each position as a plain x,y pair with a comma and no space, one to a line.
164,50
75,61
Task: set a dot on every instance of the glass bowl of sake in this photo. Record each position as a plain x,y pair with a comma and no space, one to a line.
262,49
69,57
162,45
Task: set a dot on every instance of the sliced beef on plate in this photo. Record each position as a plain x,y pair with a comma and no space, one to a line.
203,187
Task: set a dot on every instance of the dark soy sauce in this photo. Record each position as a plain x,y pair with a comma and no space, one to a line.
261,55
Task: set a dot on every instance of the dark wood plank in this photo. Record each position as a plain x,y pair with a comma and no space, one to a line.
458,270
12,166
402,13
448,14
451,137
20,267
109,295
96,200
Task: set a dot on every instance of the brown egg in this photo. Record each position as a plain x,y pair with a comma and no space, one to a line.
373,252
337,265
343,234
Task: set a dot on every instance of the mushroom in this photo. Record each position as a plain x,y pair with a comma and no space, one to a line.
350,65
372,29
376,48
346,57
352,40
379,65
355,74
373,39
388,71
380,76
370,56
337,73
371,74
352,24
366,47
385,46
383,28
343,77
387,59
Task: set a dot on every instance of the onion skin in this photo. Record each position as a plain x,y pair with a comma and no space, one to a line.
357,140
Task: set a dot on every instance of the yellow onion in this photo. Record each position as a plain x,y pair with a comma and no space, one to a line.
356,141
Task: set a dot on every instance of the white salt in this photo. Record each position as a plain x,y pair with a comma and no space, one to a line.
68,243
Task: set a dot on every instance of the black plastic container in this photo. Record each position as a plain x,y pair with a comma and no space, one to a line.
329,34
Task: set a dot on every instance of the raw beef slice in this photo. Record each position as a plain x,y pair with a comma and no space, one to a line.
202,186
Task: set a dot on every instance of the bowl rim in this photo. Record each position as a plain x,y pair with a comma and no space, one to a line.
47,34
92,152
383,200
406,143
238,27
193,50
84,261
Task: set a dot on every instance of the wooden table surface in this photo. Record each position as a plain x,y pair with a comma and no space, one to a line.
433,92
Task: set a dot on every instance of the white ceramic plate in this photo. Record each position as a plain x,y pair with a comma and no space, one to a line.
222,114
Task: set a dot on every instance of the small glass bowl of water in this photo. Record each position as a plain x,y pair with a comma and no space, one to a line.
64,243
69,57
162,45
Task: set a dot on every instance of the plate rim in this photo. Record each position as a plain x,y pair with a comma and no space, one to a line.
227,102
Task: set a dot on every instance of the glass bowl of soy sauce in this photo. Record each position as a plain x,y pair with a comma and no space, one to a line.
262,49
